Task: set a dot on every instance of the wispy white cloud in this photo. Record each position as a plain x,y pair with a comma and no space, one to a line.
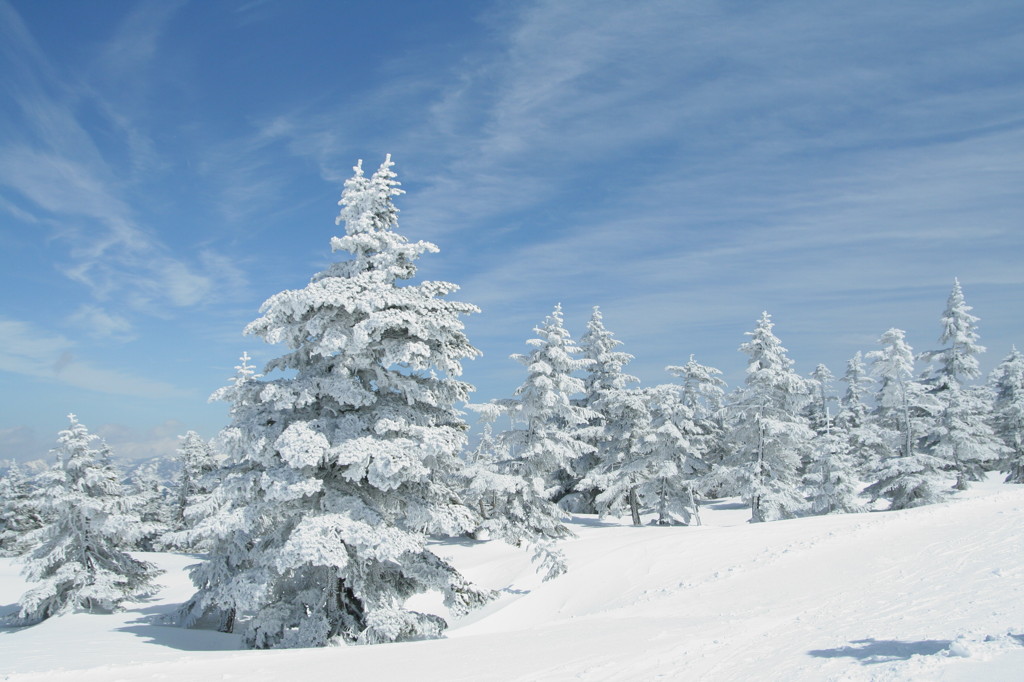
101,324
61,174
26,349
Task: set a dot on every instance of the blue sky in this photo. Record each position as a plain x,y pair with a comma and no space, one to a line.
166,166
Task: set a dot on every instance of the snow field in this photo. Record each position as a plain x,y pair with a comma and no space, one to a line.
934,593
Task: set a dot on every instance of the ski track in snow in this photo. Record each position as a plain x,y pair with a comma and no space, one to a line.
934,593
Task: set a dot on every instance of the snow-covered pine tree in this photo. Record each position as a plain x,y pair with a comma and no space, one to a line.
703,393
819,410
151,504
831,478
79,557
654,461
19,512
1007,382
545,440
512,507
853,418
768,434
903,474
196,481
960,435
224,521
604,376
339,469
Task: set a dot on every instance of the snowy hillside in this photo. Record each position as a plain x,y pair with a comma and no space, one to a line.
930,593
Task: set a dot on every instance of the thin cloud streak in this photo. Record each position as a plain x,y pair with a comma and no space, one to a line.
27,350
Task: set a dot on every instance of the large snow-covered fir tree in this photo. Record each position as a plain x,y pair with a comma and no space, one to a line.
546,440
1007,384
961,434
603,379
768,434
339,468
79,557
904,474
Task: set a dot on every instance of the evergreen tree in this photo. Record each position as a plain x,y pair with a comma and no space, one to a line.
545,440
196,481
513,507
904,474
831,477
768,434
339,469
819,409
1008,413
79,557
653,463
961,434
151,504
604,377
703,394
853,421
19,512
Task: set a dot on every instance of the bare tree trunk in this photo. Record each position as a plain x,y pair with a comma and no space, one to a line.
634,506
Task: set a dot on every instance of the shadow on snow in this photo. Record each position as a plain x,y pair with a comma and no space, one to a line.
869,651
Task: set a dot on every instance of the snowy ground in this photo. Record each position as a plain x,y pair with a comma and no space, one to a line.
935,593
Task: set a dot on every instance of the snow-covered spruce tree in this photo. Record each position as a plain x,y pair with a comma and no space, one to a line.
819,410
196,482
19,512
960,435
904,474
768,434
338,470
703,393
545,440
831,477
512,507
653,463
151,504
1007,382
79,557
223,522
853,418
604,377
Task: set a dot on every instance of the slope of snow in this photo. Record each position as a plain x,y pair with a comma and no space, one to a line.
931,593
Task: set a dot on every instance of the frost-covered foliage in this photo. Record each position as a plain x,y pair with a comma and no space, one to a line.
19,512
512,507
703,393
1007,383
604,377
152,504
79,557
196,482
961,434
904,474
819,409
831,477
768,434
653,462
853,420
545,439
338,469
